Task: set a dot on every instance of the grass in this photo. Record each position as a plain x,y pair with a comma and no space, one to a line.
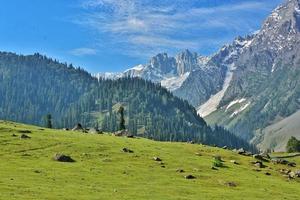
103,171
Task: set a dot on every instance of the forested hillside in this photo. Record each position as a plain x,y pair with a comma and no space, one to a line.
33,86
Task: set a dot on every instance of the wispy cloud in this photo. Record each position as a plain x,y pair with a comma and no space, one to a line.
83,51
143,26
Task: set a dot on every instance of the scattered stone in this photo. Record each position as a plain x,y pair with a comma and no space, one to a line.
24,136
24,131
214,168
94,131
258,164
241,151
284,171
121,133
279,161
189,177
78,127
180,170
126,150
198,154
65,129
14,135
230,184
63,158
130,136
156,159
292,164
268,173
163,166
234,162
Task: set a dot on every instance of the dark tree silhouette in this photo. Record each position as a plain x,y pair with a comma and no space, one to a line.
122,120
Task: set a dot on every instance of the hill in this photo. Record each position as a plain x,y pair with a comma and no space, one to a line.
103,171
33,86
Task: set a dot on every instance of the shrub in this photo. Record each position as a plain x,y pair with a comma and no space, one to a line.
293,145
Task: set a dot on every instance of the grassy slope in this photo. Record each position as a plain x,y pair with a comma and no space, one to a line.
103,171
277,135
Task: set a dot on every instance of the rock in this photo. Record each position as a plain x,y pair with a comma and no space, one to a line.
214,168
180,170
78,127
225,147
121,133
189,177
284,171
292,175
63,158
130,136
241,151
94,131
24,136
198,154
156,159
268,173
230,184
126,150
258,164
279,161
291,164
65,129
14,135
191,142
234,162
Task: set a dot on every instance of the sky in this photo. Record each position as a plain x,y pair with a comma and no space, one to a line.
113,35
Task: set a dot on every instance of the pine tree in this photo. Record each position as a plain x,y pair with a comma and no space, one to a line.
48,121
122,120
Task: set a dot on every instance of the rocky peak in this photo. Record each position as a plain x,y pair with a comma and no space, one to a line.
186,61
163,62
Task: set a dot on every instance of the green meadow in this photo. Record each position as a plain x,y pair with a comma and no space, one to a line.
102,170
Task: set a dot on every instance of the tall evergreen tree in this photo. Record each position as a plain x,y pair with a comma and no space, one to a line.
48,121
122,120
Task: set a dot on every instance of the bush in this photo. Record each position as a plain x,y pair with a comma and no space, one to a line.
293,145
217,162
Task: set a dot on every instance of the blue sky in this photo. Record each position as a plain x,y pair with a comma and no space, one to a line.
112,35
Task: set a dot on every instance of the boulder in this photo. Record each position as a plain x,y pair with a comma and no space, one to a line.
24,136
126,150
94,131
121,133
180,170
189,177
230,184
78,127
241,151
292,164
156,159
258,164
234,162
63,158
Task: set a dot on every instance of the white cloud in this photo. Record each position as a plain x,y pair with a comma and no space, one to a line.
83,51
148,25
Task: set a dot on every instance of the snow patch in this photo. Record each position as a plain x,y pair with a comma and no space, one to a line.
175,82
235,102
240,110
212,104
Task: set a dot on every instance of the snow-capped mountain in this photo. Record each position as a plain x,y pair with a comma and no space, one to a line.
264,88
170,71
248,85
